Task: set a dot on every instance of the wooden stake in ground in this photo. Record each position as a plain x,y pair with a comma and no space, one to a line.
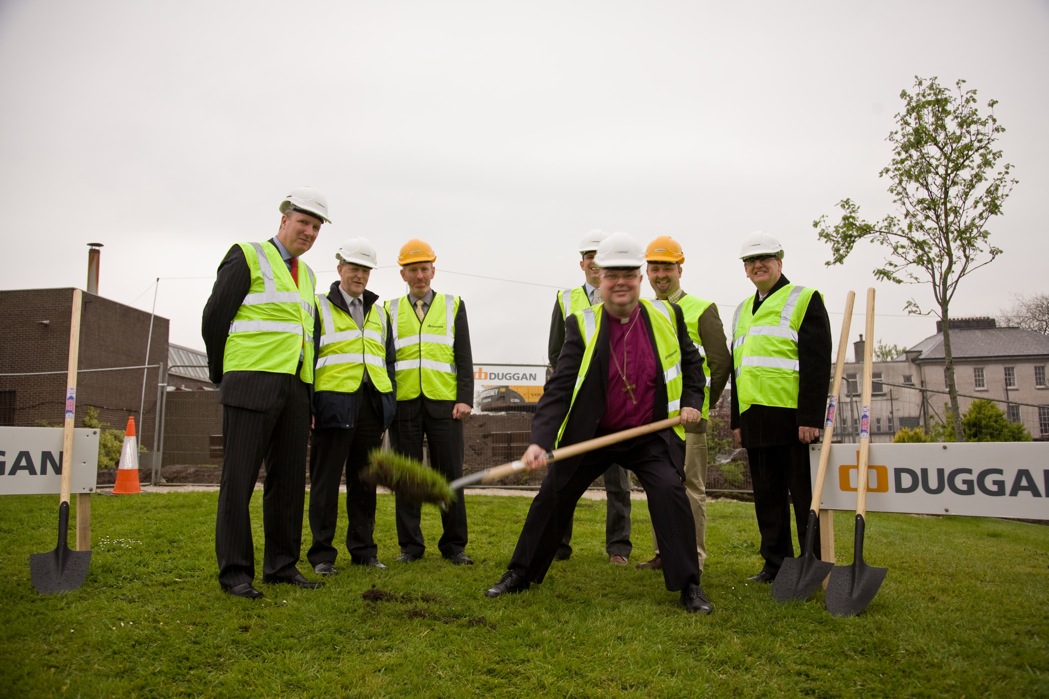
851,588
62,570
799,578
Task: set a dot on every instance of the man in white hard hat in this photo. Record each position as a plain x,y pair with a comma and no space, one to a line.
626,363
435,388
353,404
616,479
664,258
258,329
781,353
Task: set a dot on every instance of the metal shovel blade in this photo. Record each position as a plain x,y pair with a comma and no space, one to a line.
60,570
799,578
851,588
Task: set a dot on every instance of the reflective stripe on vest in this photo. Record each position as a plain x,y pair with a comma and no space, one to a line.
664,327
572,300
765,348
425,350
347,351
273,328
692,307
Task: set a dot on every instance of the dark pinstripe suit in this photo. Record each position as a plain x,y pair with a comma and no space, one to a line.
265,416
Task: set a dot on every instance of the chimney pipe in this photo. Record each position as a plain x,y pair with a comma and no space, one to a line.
94,255
858,348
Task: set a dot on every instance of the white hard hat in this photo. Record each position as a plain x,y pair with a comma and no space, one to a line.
760,243
358,251
308,201
591,240
620,250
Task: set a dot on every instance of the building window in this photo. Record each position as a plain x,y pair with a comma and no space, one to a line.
850,385
908,379
1012,411
891,428
876,386
1010,377
1039,376
1043,420
978,378
877,424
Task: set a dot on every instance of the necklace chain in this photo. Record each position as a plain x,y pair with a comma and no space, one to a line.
621,369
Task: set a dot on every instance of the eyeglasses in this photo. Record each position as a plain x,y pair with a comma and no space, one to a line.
620,276
759,258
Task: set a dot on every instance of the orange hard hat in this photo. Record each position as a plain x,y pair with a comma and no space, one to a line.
416,250
664,249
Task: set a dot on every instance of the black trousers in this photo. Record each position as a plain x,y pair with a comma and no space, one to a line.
280,436
617,516
334,451
444,437
781,477
552,509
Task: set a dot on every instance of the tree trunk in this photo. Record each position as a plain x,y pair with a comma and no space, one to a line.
952,385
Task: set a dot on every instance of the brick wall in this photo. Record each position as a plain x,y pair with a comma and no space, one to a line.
34,337
191,419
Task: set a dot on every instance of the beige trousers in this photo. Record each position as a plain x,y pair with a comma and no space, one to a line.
696,489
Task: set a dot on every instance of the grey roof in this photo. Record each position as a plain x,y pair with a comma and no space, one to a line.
187,363
989,343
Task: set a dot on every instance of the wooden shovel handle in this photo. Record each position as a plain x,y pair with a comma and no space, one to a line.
865,412
497,472
832,402
70,418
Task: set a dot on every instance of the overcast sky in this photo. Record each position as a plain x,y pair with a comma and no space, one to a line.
498,132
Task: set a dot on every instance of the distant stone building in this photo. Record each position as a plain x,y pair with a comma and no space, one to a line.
1005,365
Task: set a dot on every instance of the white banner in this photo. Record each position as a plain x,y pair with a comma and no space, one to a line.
31,460
978,479
510,374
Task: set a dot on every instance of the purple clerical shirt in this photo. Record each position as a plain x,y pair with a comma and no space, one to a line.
639,365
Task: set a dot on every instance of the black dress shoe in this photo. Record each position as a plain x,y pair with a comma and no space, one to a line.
406,557
563,554
763,577
460,559
245,590
511,583
295,578
372,562
695,600
325,568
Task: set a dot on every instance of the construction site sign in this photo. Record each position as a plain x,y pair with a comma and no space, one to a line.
976,479
31,460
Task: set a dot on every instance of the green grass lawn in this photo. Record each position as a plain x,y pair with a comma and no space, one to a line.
962,613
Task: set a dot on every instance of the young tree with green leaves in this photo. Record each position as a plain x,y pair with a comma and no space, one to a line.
947,183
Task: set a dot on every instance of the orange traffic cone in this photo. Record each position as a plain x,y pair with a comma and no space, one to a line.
127,472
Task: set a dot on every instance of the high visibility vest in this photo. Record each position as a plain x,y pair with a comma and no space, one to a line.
692,308
273,328
765,348
572,300
425,350
347,351
664,327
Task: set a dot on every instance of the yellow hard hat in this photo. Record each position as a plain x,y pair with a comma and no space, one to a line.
416,250
664,249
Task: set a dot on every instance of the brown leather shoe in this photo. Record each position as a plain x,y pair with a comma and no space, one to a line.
655,564
617,560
